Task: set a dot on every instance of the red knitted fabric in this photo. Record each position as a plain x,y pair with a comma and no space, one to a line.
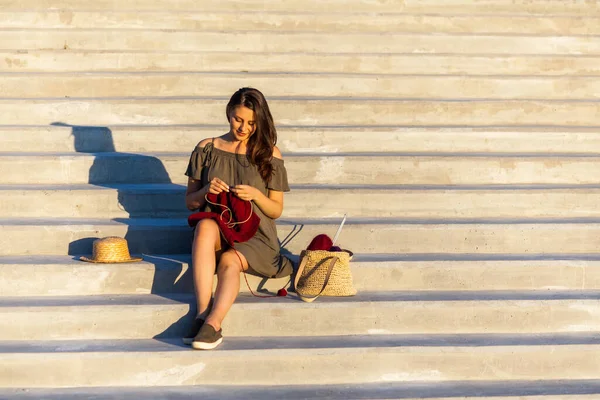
237,221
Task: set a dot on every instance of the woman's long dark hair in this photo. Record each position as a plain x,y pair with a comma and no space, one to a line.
260,144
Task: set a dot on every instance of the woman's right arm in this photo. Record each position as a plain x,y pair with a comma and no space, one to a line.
194,195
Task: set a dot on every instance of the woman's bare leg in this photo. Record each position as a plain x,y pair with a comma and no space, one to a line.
207,240
228,286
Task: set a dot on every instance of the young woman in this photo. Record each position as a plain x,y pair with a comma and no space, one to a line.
246,162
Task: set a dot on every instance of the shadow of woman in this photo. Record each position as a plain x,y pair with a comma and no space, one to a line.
146,193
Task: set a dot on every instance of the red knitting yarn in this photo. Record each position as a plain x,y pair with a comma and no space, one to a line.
282,292
236,219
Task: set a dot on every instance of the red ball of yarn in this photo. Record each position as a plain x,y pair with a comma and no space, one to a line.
320,242
282,292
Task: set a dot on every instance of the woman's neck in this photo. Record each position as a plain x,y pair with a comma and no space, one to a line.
238,146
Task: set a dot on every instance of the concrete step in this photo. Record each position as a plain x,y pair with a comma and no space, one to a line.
482,364
152,316
307,139
468,390
366,63
341,392
430,6
59,236
306,169
285,41
90,201
77,168
100,85
162,274
303,112
305,21
316,201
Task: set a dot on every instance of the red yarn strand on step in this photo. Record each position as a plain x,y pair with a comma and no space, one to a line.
280,293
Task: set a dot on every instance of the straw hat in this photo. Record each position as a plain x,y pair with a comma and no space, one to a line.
110,250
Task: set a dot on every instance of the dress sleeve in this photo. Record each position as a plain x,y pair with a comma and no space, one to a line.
198,160
279,179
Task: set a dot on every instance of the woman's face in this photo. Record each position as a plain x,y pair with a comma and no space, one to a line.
241,123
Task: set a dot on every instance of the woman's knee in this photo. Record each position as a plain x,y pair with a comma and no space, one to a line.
206,227
229,263
206,233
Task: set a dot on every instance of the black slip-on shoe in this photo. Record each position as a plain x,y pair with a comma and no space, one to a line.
208,338
194,329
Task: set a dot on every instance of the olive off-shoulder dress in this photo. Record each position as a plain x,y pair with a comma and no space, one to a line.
262,251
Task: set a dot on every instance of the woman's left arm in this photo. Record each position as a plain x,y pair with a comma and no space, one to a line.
271,205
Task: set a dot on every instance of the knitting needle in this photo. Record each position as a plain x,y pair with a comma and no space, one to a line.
337,234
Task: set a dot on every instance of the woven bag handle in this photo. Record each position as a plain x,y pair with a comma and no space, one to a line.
310,299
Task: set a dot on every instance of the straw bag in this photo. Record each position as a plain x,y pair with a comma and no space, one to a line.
324,273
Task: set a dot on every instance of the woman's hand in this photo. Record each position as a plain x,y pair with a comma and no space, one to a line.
246,192
216,186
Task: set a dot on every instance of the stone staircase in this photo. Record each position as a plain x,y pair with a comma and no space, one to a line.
462,138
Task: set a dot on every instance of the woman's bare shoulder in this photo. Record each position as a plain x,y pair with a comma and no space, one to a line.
216,141
204,142
277,153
